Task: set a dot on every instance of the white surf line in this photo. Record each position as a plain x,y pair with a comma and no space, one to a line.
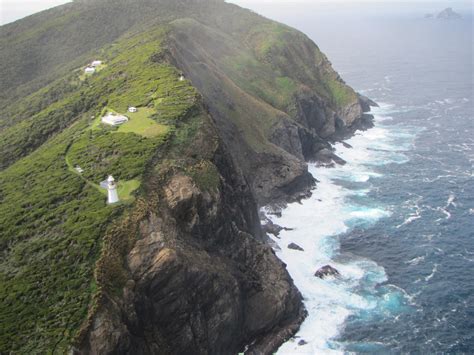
315,223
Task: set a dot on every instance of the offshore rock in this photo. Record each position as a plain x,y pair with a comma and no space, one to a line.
326,271
449,14
295,246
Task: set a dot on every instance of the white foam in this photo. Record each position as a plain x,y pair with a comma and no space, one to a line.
318,220
409,219
416,261
433,272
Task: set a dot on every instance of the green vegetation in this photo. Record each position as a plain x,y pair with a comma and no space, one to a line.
205,175
118,154
24,137
141,79
53,220
270,37
141,123
341,94
260,80
126,188
51,223
84,75
276,45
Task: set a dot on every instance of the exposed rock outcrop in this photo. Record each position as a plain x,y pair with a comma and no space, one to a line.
278,137
327,157
326,271
271,228
200,279
366,103
295,246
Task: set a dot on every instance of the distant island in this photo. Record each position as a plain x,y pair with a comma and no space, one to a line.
449,14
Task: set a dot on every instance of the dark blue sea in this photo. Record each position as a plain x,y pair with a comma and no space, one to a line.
398,220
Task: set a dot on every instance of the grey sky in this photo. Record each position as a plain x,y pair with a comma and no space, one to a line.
11,10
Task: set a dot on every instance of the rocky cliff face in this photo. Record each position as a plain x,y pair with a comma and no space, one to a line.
274,96
200,279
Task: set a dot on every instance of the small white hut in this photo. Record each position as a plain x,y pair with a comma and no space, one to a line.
89,70
112,194
132,109
79,169
96,63
181,78
113,119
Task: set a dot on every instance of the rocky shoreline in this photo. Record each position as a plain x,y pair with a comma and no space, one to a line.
324,157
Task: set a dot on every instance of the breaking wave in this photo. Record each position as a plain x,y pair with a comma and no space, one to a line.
342,202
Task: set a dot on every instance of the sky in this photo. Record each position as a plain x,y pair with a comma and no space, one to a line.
11,10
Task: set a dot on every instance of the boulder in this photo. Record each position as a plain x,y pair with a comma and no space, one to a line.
272,228
295,247
326,157
302,342
326,271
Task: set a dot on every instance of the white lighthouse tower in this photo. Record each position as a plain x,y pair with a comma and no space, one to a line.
112,190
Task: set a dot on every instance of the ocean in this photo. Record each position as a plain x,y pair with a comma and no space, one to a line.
397,220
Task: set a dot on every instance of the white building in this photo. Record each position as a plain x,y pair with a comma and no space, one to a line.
181,78
112,194
113,119
89,70
132,109
96,63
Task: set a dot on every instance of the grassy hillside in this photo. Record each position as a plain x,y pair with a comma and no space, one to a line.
53,219
132,77
47,45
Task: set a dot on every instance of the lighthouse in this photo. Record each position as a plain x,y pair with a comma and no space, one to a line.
112,190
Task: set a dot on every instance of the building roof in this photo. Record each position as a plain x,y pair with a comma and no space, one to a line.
114,120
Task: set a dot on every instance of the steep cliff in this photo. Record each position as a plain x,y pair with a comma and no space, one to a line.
181,265
198,279
274,96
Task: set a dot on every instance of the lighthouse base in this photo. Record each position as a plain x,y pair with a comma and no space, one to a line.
112,197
